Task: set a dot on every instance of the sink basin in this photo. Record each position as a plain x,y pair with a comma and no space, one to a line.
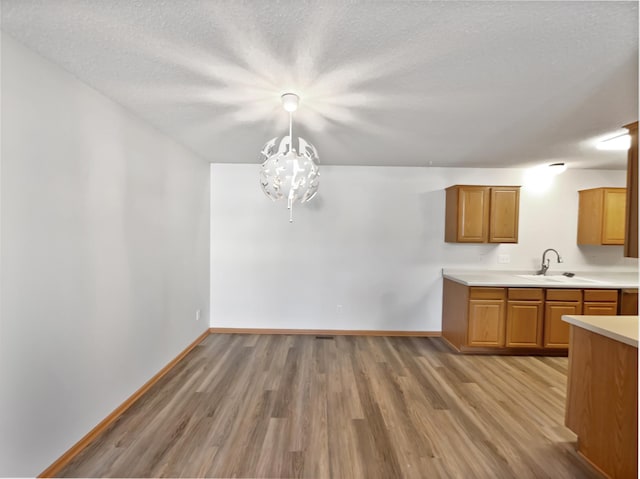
538,278
574,279
558,279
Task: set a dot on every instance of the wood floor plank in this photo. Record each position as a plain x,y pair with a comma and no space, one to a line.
343,406
317,447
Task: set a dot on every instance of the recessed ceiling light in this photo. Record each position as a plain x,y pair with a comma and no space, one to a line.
617,143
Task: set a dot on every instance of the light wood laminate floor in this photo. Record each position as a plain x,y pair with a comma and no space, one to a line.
346,407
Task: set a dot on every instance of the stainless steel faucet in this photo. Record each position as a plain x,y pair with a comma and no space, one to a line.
545,261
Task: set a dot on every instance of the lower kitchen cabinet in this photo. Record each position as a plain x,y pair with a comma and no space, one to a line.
600,302
629,302
486,322
558,303
524,318
517,320
486,317
556,331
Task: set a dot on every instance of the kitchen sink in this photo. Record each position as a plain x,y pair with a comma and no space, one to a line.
558,279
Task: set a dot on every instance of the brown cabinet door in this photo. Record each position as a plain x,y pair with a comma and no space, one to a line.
556,331
524,324
613,221
590,205
601,216
600,309
504,214
486,323
473,214
629,302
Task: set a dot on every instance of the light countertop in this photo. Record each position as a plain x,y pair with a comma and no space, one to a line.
619,328
524,279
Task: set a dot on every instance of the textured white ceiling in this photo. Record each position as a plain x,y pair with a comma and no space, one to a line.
486,84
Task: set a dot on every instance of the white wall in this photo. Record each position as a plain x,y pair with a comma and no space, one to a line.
104,256
372,241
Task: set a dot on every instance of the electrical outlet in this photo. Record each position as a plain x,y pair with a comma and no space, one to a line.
504,259
197,315
338,308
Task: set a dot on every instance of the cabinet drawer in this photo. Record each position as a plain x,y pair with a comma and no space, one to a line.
564,295
524,294
486,293
601,295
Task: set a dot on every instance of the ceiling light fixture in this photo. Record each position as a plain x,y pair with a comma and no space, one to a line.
287,172
540,178
617,143
557,168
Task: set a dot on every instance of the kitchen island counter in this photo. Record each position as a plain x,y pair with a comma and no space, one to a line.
602,391
620,328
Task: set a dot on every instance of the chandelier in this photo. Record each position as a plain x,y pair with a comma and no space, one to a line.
288,172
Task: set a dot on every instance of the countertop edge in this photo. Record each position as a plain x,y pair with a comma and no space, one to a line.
582,321
511,279
453,278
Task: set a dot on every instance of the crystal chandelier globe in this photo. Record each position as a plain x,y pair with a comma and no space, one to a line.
289,170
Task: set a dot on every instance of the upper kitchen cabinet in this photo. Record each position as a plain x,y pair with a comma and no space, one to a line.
601,216
482,214
631,230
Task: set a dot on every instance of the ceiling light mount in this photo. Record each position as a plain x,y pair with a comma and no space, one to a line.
290,102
